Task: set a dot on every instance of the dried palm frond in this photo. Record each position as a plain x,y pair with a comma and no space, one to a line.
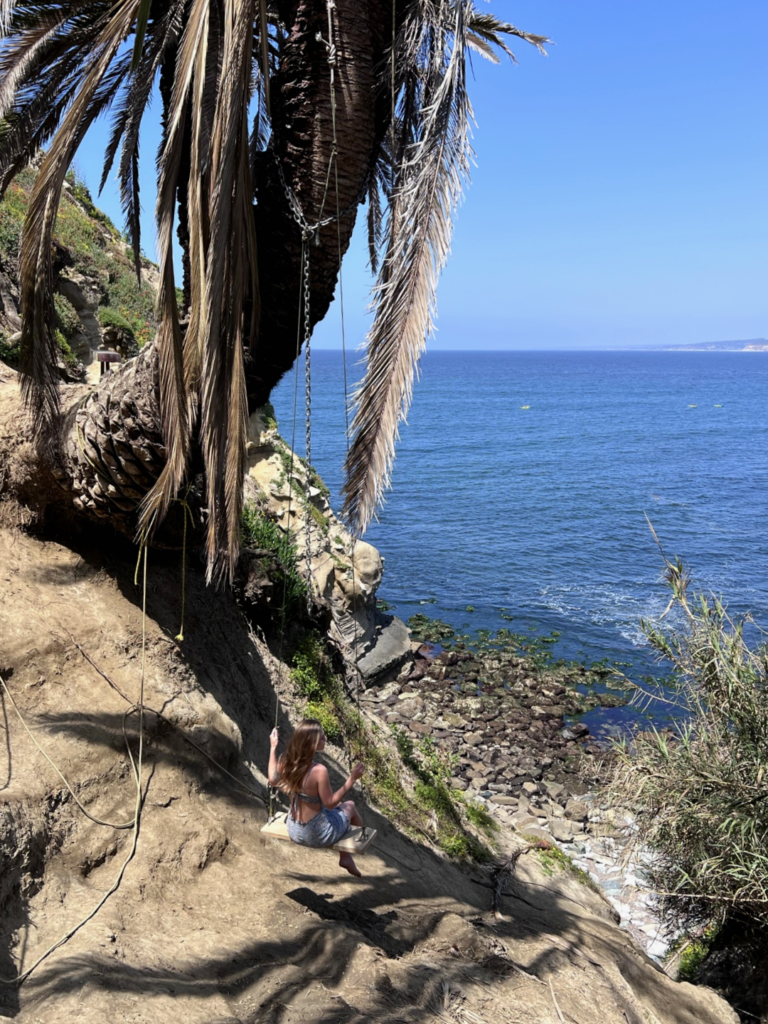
230,284
430,150
38,346
128,119
174,406
262,125
487,28
264,41
6,9
213,81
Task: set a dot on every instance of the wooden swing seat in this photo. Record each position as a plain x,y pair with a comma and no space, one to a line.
354,840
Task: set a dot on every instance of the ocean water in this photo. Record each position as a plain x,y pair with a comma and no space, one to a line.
523,480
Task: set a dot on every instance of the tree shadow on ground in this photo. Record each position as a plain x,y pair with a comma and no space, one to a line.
315,974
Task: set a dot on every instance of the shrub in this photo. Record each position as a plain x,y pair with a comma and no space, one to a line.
9,353
69,356
82,194
324,712
312,672
258,531
69,321
109,317
701,789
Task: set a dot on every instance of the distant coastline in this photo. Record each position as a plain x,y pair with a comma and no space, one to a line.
754,345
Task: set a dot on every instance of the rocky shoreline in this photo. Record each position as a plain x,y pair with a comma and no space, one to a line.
503,726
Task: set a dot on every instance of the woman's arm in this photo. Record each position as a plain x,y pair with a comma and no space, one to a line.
324,791
272,773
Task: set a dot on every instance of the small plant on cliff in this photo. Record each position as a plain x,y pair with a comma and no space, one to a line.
9,353
315,680
261,532
70,359
109,317
82,194
701,793
433,770
69,321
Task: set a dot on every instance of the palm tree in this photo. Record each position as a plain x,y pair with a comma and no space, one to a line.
279,118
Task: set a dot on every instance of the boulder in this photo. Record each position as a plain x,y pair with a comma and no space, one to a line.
391,645
576,810
420,727
554,790
575,732
561,830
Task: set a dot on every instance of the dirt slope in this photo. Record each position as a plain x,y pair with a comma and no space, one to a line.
212,923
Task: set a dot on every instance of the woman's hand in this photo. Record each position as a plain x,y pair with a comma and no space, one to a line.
357,771
274,738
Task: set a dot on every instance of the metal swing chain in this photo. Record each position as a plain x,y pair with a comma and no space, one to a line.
308,422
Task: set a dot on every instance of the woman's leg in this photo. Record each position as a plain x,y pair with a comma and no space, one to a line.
346,860
351,812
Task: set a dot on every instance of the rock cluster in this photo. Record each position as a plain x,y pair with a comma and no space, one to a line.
507,730
503,721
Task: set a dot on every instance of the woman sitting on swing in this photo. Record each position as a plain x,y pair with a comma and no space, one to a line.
317,815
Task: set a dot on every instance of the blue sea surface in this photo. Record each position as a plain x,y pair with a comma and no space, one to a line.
523,480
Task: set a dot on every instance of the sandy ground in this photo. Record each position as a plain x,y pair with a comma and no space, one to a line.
213,922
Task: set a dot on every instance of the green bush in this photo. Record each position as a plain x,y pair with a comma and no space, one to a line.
9,353
312,671
109,317
69,321
701,790
82,194
324,712
480,818
258,531
69,356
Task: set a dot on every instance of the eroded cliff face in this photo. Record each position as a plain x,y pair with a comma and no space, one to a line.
343,574
212,922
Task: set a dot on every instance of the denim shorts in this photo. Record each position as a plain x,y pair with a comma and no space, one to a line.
325,829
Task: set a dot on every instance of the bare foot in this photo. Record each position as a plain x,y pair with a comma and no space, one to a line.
346,860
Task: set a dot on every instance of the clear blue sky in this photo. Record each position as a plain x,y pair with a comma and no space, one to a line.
620,192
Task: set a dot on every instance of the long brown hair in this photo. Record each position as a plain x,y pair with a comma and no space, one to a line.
296,761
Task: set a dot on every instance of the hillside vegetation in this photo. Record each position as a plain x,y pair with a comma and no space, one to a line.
92,260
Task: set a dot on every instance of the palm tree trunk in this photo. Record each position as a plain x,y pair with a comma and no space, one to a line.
302,142
108,452
112,447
